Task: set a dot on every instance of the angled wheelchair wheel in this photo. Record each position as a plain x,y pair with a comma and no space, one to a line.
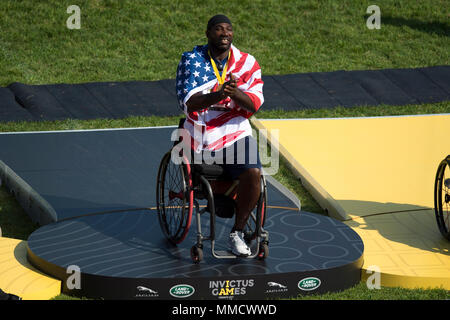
442,197
174,198
196,254
258,214
263,251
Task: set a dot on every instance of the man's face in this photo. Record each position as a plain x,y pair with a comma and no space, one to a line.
220,36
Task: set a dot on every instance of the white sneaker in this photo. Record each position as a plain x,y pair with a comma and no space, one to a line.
238,245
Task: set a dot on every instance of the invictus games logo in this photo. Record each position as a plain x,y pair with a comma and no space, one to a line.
275,287
144,292
181,291
309,284
227,289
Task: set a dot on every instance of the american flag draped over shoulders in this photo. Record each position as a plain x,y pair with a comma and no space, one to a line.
226,122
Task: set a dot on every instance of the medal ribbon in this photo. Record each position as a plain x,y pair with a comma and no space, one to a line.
220,79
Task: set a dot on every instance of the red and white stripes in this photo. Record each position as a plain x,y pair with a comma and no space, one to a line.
215,129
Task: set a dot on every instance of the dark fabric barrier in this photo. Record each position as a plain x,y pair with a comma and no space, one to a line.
158,97
10,110
276,96
39,102
381,88
439,75
306,91
417,85
78,101
286,92
117,99
343,88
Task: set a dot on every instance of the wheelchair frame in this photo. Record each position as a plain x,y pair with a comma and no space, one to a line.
196,186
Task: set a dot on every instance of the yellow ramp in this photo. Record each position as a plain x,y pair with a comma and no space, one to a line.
407,249
377,174
365,166
18,277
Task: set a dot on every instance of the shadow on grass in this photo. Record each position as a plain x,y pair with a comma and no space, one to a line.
433,27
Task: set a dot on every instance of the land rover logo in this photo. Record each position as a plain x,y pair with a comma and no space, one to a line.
309,284
181,291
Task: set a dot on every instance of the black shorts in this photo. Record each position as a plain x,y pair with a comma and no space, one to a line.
236,158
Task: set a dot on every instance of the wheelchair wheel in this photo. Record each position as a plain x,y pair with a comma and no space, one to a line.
263,251
442,197
196,254
251,230
174,198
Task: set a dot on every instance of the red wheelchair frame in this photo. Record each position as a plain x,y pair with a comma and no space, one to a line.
180,186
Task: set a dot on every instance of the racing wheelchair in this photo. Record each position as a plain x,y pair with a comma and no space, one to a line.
181,187
442,197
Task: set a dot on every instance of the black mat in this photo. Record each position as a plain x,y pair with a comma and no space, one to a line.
381,88
90,171
78,101
39,102
286,92
10,109
341,86
277,96
85,172
440,76
307,92
417,84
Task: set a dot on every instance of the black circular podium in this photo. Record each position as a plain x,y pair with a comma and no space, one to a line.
123,255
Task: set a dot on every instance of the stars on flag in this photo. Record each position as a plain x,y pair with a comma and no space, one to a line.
194,70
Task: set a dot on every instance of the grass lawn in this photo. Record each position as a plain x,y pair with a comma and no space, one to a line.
142,40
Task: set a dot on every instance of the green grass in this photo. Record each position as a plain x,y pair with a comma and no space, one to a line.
14,221
361,292
76,124
143,40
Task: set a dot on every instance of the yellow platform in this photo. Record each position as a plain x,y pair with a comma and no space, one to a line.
364,166
18,277
377,174
406,247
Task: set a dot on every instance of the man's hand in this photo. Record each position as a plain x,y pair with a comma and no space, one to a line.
231,90
201,101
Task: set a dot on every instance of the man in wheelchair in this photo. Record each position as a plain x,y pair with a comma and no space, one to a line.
219,88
